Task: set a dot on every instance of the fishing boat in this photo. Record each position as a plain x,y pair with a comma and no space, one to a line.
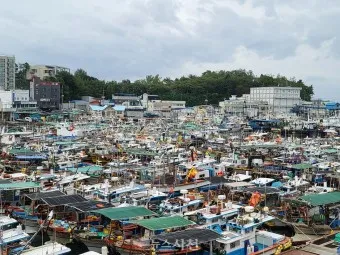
48,249
150,198
294,187
180,205
241,236
12,236
107,193
68,130
214,217
146,229
111,222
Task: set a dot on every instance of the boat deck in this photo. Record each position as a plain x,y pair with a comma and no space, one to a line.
317,245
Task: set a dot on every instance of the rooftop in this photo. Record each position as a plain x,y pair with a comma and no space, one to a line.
164,223
129,212
41,195
19,185
277,87
322,199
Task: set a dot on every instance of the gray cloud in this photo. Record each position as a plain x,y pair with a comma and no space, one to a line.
118,39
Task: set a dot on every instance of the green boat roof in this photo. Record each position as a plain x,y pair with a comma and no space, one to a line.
164,223
322,199
129,212
64,143
330,150
19,185
301,166
141,152
21,151
85,169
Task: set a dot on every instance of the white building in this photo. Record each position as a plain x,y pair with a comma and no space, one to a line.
45,71
152,103
132,103
6,99
243,106
279,99
15,99
7,72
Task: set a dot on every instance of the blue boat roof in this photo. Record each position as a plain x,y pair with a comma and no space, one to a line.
265,120
30,157
98,107
78,101
332,106
119,108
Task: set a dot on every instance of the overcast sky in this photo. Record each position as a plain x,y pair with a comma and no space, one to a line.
119,39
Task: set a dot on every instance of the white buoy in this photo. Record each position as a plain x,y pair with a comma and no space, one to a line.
105,250
147,185
114,178
221,197
183,191
249,209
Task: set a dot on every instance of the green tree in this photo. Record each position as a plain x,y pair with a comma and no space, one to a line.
21,81
194,89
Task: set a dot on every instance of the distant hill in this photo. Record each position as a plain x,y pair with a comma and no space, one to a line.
195,90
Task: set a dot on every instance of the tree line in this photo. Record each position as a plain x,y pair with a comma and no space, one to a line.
210,87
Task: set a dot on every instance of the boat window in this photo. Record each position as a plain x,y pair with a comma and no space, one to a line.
234,244
202,221
248,230
9,226
214,220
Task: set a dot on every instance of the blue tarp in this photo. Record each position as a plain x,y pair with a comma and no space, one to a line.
119,108
98,107
277,184
332,106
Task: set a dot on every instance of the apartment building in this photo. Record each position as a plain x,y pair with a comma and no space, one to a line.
7,72
45,71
